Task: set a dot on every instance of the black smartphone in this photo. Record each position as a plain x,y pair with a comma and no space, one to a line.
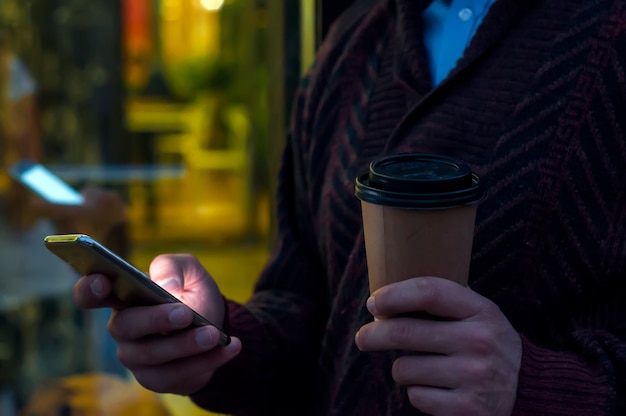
130,285
44,183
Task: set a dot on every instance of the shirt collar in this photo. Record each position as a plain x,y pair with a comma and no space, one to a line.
410,61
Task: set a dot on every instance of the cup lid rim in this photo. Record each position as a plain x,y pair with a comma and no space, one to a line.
419,201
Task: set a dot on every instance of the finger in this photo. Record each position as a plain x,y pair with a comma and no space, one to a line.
442,402
188,375
138,322
185,278
434,295
161,349
167,271
411,334
95,291
177,272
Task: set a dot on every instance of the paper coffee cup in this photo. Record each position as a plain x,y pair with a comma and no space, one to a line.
418,213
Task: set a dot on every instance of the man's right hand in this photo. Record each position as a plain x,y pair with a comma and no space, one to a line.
153,341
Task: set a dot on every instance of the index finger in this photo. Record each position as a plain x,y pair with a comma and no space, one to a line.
433,295
95,291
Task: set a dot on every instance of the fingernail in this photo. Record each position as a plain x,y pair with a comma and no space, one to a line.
177,316
371,305
171,285
97,288
357,336
204,338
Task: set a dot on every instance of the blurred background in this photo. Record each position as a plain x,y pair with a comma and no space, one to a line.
176,112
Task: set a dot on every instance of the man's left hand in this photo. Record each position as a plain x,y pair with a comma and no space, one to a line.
467,355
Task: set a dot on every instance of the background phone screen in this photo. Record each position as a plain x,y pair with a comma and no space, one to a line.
50,186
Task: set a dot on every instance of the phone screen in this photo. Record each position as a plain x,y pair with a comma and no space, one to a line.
47,184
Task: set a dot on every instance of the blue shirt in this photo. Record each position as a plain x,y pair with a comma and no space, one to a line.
449,25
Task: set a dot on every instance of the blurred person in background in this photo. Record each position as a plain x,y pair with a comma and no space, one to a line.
42,334
530,94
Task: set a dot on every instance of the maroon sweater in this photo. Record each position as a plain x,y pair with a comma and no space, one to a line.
537,106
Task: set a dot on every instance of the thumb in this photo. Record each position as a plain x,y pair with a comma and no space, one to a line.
184,277
167,272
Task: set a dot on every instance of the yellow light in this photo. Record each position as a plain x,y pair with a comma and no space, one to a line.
212,5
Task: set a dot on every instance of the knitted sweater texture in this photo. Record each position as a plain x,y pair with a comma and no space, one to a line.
537,107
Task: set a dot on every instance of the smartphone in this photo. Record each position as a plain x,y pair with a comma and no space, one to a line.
130,285
44,183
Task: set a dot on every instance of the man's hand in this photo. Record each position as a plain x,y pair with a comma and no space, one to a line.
467,358
154,342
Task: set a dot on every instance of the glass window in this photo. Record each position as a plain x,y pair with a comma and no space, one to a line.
168,116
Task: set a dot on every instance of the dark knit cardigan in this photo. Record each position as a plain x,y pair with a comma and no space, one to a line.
537,106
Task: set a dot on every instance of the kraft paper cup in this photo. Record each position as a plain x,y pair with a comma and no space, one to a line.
418,213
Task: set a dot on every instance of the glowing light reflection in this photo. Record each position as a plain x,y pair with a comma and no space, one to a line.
212,5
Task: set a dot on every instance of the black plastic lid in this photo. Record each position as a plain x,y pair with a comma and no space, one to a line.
419,181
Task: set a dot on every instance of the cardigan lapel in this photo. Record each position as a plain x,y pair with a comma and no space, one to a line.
502,15
411,61
411,67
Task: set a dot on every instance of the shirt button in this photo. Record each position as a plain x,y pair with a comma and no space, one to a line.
465,14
